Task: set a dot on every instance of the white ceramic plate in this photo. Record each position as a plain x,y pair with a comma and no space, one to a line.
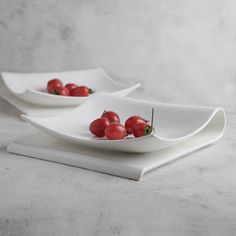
32,87
173,123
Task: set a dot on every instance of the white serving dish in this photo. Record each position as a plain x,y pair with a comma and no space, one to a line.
31,87
128,165
173,123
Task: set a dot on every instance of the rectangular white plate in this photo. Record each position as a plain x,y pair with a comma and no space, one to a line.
27,108
127,165
31,87
173,124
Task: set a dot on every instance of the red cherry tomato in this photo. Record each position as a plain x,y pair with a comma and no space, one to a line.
111,116
70,86
81,91
52,84
115,131
142,129
97,127
132,121
62,91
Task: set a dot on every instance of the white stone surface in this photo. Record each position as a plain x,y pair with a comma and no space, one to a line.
195,195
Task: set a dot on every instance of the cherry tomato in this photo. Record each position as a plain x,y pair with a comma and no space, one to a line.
97,127
81,91
132,121
62,91
111,116
52,84
115,131
142,129
70,86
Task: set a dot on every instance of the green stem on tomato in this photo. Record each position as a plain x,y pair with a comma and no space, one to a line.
91,91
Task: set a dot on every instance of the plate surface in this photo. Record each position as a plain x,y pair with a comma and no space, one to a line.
173,123
32,87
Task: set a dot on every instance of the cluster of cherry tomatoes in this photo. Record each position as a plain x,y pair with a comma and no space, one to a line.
55,86
109,126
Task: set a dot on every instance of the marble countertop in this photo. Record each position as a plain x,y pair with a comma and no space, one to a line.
195,195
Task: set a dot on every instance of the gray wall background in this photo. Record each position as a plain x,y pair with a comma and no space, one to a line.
182,51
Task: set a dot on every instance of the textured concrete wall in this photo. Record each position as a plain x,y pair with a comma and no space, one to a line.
182,51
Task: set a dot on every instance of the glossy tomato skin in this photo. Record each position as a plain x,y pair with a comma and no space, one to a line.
132,121
111,116
62,91
70,86
97,127
115,131
52,84
142,129
81,91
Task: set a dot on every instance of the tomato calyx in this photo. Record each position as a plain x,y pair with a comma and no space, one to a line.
55,92
142,129
148,129
91,91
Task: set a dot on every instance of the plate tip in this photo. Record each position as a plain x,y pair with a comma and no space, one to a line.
24,117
